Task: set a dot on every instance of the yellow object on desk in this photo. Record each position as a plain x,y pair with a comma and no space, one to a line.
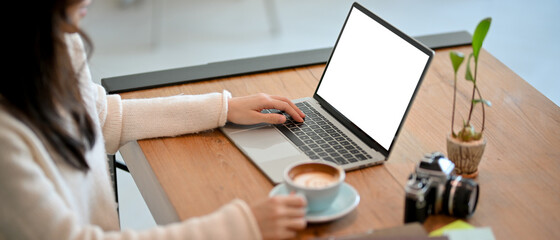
458,224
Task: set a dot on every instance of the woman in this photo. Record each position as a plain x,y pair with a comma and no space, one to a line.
56,127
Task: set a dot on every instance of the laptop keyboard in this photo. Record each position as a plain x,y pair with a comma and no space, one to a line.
318,138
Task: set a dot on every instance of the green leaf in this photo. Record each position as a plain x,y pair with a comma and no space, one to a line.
468,73
456,59
488,103
479,35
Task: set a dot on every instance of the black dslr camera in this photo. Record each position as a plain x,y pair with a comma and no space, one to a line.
433,189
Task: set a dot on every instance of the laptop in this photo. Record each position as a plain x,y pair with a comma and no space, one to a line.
358,107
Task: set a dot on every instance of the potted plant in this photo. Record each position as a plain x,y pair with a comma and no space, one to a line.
465,148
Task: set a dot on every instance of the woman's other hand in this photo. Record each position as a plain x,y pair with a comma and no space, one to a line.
280,217
247,110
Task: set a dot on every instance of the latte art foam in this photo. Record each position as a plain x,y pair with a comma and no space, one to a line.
314,179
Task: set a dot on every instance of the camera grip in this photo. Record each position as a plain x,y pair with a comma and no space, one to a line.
415,210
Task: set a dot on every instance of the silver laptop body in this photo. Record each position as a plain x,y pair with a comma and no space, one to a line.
365,92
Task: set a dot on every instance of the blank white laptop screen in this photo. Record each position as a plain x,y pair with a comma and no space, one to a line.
371,77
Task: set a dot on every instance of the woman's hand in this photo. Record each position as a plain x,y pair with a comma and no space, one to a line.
247,110
280,217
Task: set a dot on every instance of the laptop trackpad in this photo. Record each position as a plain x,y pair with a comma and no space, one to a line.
264,144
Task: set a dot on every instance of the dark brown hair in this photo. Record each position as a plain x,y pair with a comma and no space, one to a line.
43,89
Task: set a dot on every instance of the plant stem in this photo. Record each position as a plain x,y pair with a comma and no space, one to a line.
483,112
473,91
472,105
453,112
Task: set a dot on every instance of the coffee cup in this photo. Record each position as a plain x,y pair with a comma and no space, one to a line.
318,182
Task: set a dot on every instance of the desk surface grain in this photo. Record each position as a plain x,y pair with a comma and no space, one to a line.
519,172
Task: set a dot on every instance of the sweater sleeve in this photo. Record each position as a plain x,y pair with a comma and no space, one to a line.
33,207
125,120
232,221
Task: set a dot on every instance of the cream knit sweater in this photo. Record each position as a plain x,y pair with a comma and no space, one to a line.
44,198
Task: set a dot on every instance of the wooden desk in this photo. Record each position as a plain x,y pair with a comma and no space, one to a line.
519,173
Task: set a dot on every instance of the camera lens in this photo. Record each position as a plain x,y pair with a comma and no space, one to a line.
460,197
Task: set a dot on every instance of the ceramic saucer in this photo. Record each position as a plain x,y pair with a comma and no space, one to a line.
346,201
